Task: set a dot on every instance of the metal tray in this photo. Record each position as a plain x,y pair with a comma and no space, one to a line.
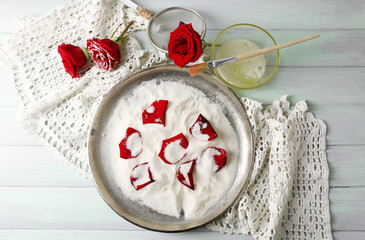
138,213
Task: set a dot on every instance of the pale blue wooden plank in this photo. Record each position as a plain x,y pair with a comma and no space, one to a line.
297,15
17,234
347,208
55,208
59,208
347,167
347,235
318,86
324,51
11,9
36,166
321,52
115,235
11,131
344,125
273,14
3,36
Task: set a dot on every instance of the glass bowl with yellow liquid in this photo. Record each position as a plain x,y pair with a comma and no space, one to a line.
249,73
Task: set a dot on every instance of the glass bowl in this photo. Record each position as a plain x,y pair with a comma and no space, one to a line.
249,73
167,20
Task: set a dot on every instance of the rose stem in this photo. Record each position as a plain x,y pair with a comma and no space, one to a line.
116,31
125,30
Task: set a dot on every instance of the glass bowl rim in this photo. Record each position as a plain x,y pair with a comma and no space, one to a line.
254,26
169,9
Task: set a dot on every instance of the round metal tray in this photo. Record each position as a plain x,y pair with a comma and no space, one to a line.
136,212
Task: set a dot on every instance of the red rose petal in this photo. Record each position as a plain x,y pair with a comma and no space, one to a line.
104,52
73,58
185,45
155,113
202,129
141,176
174,149
218,155
185,174
131,144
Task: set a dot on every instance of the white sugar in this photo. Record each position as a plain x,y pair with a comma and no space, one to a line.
207,159
141,174
134,144
166,194
184,169
174,152
150,109
197,133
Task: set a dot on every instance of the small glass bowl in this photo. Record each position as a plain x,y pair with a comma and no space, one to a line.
167,20
255,34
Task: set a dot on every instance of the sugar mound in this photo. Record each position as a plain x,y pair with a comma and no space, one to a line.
166,194
150,109
134,144
174,152
207,159
196,132
140,173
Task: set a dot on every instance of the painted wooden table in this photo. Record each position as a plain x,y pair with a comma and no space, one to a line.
40,198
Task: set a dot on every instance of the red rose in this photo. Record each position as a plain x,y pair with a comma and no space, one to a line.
104,52
73,58
185,45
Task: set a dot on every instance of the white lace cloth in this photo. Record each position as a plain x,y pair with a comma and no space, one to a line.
287,196
55,108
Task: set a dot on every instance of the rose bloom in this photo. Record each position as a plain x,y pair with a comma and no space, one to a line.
104,52
73,58
185,45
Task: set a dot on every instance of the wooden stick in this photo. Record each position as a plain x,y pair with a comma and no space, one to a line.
276,47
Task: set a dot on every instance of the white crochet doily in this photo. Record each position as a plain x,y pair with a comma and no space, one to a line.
55,108
287,195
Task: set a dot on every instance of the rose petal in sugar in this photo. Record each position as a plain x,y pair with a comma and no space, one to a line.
203,130
131,144
141,176
174,149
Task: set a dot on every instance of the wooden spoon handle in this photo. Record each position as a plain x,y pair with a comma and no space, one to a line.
273,48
